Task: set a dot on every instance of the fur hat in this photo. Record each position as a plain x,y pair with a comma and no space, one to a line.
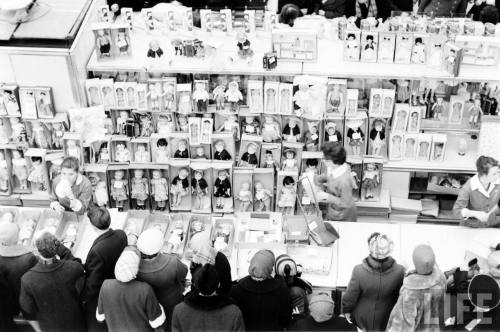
380,246
9,234
127,266
424,259
321,307
150,241
261,265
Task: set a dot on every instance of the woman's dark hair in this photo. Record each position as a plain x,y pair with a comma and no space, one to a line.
312,162
484,163
161,142
288,180
334,152
71,163
351,35
289,13
418,40
33,159
489,14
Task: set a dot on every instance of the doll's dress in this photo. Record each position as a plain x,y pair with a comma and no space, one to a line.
437,109
233,96
201,94
355,140
105,45
20,169
270,105
287,198
221,188
370,181
139,188
37,174
101,194
40,138
142,157
244,196
377,142
159,189
123,156
177,188
118,190
289,165
269,132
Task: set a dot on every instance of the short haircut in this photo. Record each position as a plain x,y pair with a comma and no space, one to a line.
418,40
334,152
99,217
312,162
162,142
71,163
47,244
484,163
288,180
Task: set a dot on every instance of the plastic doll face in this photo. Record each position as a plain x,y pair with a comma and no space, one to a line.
183,173
245,186
414,116
252,149
292,124
120,147
331,130
370,167
182,120
119,175
141,148
182,145
196,225
206,125
198,175
104,150
156,174
100,33
258,186
269,156
233,86
289,155
396,139
440,100
222,175
219,147
124,115
169,88
16,154
379,126
200,151
138,173
154,45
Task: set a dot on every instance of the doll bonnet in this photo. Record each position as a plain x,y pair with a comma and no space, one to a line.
290,151
331,125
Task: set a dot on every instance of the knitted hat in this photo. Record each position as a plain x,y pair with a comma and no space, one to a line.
380,246
127,266
321,307
9,234
282,261
150,241
47,244
261,265
424,259
205,279
203,252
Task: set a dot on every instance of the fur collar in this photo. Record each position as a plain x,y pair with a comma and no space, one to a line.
373,265
206,302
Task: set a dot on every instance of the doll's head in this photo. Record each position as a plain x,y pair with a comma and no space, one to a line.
156,174
251,148
17,154
402,114
312,164
168,87
376,99
154,45
93,178
14,121
258,186
410,142
141,147
119,91
371,167
183,173
288,182
200,151
289,154
138,173
157,87
378,124
162,144
233,85
222,175
182,120
219,146
120,147
477,102
121,34
439,100
245,186
424,145
292,123
119,175
331,127
207,125
36,161
100,32
269,119
414,115
396,140
124,115
438,149
351,37
313,127
249,119
269,155
199,86
196,225
198,174
182,145
271,92
144,118
369,39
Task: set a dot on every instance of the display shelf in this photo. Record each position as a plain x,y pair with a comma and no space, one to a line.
451,130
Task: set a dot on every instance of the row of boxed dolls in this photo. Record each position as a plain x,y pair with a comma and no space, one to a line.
421,147
26,102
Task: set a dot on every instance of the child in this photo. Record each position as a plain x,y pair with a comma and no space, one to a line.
180,185
222,188
286,202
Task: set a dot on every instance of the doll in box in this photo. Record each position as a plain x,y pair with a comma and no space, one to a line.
371,180
26,232
183,123
255,101
410,148
18,130
438,108
199,189
312,136
176,238
108,124
181,151
159,190
403,92
69,236
180,186
196,226
4,174
396,148
154,51
100,190
11,104
288,195
131,97
140,189
355,137
122,42
220,151
146,125
456,113
185,102
169,96
269,161
57,135
270,130
244,50
220,97
121,123
475,112
222,234
377,137
37,176
231,125
250,125
285,101
291,131
20,169
334,99
119,189
302,98
122,154
249,158
199,153
120,97
200,97
271,101
332,134
103,157
244,196
103,42
165,124
351,47
401,119
234,96
438,151
414,119
155,94
108,96
418,53
289,162
39,135
141,155
222,188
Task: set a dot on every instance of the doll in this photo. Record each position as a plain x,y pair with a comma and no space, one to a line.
271,101
140,189
244,50
154,51
11,104
269,161
103,157
387,108
418,54
413,125
244,196
185,102
262,198
4,174
423,150
250,125
369,49
146,125
121,123
131,231
99,189
200,97
38,136
231,125
206,130
234,96
168,96
220,151
183,123
108,96
72,149
120,97
219,96
155,93
291,131
456,113
181,151
371,180
288,196
122,42
352,47
119,189
103,42
475,112
403,92
196,226
141,155
131,97
18,130
409,149
285,101
290,163
396,147
200,153
122,154
175,238
438,108
312,136
37,177
69,237
26,232
44,106
270,130
249,158
222,188
108,124
334,99
377,137
162,152
159,190
199,189
180,186
332,134
302,98
255,101
4,132
165,125
400,121
438,151
356,138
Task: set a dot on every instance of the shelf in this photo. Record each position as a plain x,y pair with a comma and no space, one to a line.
451,130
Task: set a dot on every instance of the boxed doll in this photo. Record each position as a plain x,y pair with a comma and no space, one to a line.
223,188
207,125
20,171
263,184
292,156
410,146
400,118
456,110
120,94
131,94
355,134
6,175
155,95
223,146
144,126
184,98
38,176
106,88
223,235
227,124
201,186
369,46
120,149
140,150
124,122
352,102
271,97
120,35
159,186
175,238
387,43
71,231
100,151
243,190
180,185
396,146
308,192
478,50
352,45
336,96
388,103
194,125
160,150
250,124
11,99
356,164
134,223
139,187
198,223
435,55
200,96
96,173
271,128
452,59
312,134
286,192
169,94
28,103
424,142
118,185
5,131
414,120
73,143
371,183
165,123
178,145
376,100
309,96
292,129
26,220
159,221
419,49
438,147
404,43
200,152
285,98
270,156
103,41
249,151
378,134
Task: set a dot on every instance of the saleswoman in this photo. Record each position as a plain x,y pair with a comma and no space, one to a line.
477,202
71,190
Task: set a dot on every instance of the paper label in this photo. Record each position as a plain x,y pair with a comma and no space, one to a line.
306,200
333,138
118,184
313,226
356,136
314,137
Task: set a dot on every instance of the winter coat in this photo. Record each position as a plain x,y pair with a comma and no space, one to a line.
207,313
166,274
7,298
333,324
82,189
372,292
419,304
265,304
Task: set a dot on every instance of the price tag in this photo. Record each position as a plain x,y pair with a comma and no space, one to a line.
306,200
333,138
118,185
314,137
313,226
356,136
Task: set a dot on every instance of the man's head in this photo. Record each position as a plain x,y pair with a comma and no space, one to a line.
99,217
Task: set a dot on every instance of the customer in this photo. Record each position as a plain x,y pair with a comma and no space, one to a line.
443,8
421,298
101,260
205,253
338,182
72,190
262,299
164,272
374,286
289,14
489,14
477,201
204,309
333,8
7,297
362,9
15,260
49,291
127,304
321,316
